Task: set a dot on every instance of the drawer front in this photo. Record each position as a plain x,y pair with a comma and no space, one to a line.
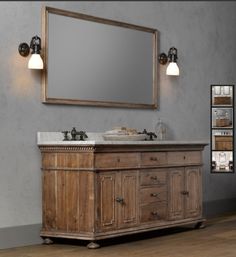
182,158
153,212
153,158
223,138
153,194
152,177
116,160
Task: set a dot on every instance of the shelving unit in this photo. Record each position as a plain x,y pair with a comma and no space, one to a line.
222,128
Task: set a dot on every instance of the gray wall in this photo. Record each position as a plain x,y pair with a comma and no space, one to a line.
205,37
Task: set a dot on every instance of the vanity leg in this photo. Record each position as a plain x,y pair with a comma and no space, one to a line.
200,225
47,241
93,245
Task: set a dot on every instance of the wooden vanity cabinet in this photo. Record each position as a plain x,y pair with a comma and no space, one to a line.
94,192
223,143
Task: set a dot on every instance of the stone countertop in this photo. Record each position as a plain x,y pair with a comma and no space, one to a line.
56,138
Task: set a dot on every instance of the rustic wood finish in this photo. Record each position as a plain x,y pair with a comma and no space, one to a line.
216,240
95,192
223,143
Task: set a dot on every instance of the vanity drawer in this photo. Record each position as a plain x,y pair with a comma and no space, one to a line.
153,194
182,158
153,212
153,158
116,160
152,177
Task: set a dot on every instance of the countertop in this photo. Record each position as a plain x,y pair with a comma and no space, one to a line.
56,138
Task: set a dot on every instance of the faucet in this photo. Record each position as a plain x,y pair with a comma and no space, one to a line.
150,134
82,135
73,134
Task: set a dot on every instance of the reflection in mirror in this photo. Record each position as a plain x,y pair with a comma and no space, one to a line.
99,62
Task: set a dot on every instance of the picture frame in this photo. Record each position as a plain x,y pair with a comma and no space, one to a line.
222,129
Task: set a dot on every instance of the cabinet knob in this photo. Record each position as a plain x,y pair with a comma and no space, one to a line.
155,213
154,194
153,177
184,192
153,159
120,200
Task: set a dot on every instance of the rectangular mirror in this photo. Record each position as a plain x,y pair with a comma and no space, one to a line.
98,62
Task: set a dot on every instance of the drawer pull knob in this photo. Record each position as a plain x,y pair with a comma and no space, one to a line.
155,213
118,159
120,200
184,192
153,159
154,177
154,194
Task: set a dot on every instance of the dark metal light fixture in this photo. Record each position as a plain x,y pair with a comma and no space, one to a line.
35,61
172,69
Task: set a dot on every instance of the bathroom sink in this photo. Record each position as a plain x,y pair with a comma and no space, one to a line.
138,137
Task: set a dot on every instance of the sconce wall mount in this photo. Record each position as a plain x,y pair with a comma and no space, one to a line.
24,49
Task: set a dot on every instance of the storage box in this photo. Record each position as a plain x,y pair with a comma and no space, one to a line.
221,100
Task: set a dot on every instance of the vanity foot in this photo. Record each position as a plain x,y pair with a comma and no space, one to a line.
47,241
200,225
93,245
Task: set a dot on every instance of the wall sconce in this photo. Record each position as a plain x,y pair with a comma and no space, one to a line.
35,61
172,68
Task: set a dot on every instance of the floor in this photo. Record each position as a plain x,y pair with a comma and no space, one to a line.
218,239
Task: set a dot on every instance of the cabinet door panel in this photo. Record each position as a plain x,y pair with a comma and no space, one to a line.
72,208
106,200
128,209
176,199
49,200
194,197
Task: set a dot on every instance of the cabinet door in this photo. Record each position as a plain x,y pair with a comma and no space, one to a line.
128,192
176,199
193,197
117,199
107,182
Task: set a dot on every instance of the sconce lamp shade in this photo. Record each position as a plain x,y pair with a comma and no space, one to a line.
35,62
172,69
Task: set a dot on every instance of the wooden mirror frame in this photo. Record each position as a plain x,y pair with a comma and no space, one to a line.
50,100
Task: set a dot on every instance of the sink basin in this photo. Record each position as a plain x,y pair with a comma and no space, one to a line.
138,137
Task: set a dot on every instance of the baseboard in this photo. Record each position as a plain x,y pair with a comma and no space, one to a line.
216,208
20,236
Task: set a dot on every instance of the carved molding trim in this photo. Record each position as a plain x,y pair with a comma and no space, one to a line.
66,148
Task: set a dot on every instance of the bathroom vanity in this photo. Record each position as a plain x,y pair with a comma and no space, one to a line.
99,189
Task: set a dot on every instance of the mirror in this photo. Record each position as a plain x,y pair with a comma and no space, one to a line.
98,62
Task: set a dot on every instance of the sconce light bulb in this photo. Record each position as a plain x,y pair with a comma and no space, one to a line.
35,62
172,69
